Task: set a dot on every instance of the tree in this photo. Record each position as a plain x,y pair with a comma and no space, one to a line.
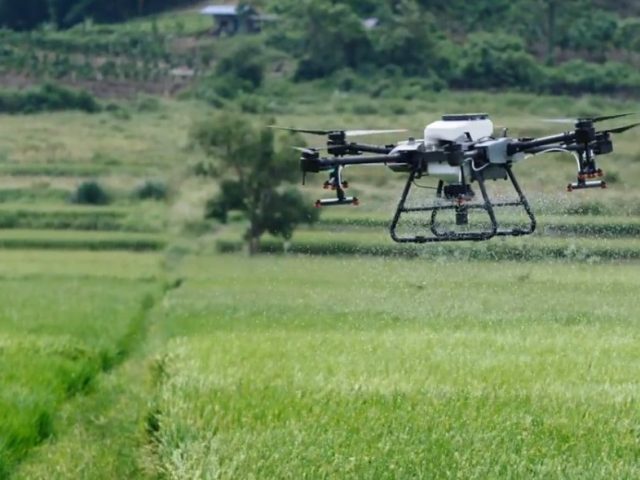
497,61
628,38
244,61
252,169
410,39
324,35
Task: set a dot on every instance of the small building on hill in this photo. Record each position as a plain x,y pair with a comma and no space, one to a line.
233,19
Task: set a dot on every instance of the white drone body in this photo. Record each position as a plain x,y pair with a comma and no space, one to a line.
451,128
468,127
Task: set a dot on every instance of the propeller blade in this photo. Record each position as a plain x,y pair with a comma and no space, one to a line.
559,120
622,129
591,119
303,130
611,117
350,133
360,133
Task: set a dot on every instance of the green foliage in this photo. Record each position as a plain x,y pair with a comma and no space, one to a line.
496,60
330,368
252,166
324,35
432,41
578,76
90,192
628,35
151,190
71,240
28,14
284,211
245,60
71,329
410,39
47,98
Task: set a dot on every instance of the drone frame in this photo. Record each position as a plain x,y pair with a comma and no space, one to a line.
489,158
461,209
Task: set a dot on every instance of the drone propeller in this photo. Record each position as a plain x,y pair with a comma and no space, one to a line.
622,129
587,119
611,117
349,133
362,133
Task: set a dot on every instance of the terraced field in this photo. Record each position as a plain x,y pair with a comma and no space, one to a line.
136,342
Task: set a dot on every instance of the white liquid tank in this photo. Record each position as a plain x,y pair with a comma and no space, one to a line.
452,127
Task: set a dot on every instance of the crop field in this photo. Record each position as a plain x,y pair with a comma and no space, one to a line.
378,368
63,320
298,366
136,341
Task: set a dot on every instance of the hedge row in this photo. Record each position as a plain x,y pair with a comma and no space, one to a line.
494,251
96,244
592,229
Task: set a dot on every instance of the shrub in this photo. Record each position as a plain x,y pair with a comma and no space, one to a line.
496,60
245,61
49,97
577,76
151,190
90,192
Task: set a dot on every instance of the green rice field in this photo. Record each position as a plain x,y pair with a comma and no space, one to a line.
288,367
138,340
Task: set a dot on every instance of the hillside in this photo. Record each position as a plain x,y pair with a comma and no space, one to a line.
573,47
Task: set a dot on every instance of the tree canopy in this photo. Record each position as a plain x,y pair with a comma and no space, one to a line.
28,14
253,170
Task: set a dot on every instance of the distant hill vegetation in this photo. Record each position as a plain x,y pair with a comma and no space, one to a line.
550,46
28,14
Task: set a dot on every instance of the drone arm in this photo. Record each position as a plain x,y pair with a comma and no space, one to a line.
321,164
552,148
371,148
534,145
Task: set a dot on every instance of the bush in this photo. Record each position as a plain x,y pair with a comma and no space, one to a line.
47,98
578,76
245,61
495,61
90,192
151,190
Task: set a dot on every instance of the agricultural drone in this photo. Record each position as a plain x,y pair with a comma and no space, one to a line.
458,150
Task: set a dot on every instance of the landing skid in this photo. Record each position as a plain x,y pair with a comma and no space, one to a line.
461,210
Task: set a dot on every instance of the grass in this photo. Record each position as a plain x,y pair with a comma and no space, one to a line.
378,368
568,241
137,218
81,240
455,361
59,328
80,144
289,367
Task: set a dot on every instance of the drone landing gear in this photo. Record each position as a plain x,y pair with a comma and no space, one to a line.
459,196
